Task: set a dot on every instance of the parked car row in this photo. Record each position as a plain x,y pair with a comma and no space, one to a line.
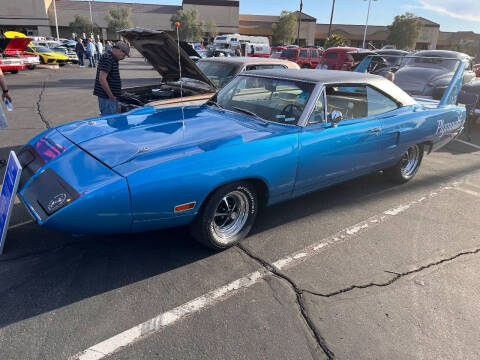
21,52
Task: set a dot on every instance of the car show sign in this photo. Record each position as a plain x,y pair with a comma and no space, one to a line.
7,194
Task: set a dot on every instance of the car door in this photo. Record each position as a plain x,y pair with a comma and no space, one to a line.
331,153
303,58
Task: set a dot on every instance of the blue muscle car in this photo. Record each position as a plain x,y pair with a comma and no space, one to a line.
268,136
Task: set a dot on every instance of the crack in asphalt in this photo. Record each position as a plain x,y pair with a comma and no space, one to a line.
395,278
299,292
39,111
300,300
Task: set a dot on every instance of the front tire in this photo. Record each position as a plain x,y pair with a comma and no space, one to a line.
408,165
227,216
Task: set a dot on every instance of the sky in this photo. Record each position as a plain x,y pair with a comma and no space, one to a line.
452,15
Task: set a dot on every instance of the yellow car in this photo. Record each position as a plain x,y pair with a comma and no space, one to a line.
48,56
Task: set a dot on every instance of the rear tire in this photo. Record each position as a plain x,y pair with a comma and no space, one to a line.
407,166
14,71
226,216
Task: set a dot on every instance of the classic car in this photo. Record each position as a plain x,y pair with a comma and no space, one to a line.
266,137
47,55
200,80
16,48
383,62
472,88
11,64
428,72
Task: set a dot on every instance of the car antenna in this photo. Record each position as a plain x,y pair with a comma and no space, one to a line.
177,25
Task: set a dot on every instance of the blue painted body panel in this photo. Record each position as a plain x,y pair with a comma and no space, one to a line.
132,169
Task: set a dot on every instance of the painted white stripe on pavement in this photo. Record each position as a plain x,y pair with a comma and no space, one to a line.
115,343
468,143
467,191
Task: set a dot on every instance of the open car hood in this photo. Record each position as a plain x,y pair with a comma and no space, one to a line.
161,50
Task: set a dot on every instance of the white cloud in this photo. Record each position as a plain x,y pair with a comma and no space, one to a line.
460,9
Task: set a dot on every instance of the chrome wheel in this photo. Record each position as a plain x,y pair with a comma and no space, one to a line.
230,216
410,161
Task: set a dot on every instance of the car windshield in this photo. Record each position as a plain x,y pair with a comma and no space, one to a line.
42,49
289,53
219,73
273,100
432,62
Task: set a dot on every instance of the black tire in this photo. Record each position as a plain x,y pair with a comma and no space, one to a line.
223,231
406,168
31,67
61,64
42,60
14,71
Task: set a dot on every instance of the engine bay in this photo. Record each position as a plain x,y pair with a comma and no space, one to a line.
137,97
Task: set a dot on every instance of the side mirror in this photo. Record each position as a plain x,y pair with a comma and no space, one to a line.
335,117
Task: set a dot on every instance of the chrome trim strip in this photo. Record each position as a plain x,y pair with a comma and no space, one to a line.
307,111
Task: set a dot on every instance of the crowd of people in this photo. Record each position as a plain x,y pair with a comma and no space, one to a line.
91,50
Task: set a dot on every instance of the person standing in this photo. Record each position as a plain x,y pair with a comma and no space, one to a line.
80,50
3,85
99,49
108,46
91,53
252,50
108,84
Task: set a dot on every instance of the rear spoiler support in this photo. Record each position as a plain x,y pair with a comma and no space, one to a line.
451,93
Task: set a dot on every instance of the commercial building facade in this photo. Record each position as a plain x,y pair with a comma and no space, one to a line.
36,18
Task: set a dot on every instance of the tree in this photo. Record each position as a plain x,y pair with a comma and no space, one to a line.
284,30
405,31
335,40
190,28
118,18
82,24
211,29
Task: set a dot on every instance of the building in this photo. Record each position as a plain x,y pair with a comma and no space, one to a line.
36,18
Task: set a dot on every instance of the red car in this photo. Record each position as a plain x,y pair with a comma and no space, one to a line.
16,48
476,69
338,58
305,57
11,64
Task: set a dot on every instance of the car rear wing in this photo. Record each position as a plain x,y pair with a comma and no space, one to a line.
451,93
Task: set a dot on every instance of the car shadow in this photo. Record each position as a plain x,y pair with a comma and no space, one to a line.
37,265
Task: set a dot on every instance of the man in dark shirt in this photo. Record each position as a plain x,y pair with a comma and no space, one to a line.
107,83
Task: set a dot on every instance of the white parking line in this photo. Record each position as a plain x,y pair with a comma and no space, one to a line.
468,143
136,333
467,191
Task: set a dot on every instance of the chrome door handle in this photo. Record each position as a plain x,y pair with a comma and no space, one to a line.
375,131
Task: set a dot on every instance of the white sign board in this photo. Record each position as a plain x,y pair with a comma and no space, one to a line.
8,193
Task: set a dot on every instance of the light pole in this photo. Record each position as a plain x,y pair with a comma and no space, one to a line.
366,23
91,17
299,22
56,22
331,18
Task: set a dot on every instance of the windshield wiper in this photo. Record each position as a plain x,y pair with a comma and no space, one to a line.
251,113
211,102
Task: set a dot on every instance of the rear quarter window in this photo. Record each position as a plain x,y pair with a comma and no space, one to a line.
303,53
331,55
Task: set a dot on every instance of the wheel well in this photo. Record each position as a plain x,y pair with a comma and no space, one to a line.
260,187
428,145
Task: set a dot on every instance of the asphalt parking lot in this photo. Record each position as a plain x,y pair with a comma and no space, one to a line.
363,270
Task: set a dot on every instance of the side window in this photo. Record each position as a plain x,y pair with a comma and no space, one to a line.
265,66
379,103
351,101
303,53
314,54
318,114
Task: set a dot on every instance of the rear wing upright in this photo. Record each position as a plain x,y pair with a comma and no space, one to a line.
451,93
